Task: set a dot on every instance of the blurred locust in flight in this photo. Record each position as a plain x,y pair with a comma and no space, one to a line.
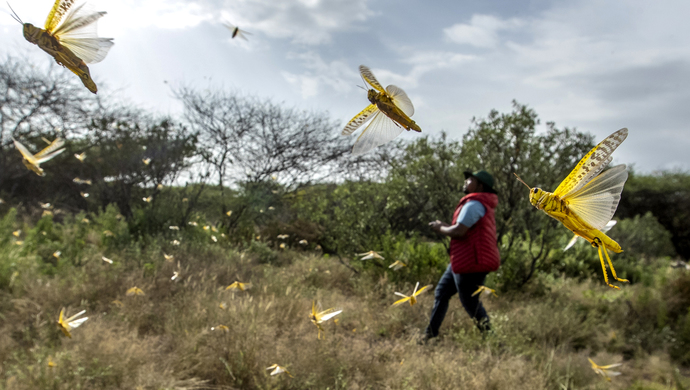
370,255
33,161
605,371
412,298
319,317
485,291
390,111
236,31
397,265
239,286
70,37
278,370
66,325
587,199
134,291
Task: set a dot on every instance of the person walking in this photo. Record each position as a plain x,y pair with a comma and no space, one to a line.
473,251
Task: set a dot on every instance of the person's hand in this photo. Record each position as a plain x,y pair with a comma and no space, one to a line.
436,226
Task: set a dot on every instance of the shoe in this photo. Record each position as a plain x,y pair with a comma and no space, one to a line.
424,340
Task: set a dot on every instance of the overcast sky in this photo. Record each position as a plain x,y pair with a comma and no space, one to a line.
593,65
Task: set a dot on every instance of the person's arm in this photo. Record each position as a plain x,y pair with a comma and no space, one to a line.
453,231
471,212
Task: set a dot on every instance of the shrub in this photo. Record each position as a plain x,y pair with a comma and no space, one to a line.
643,237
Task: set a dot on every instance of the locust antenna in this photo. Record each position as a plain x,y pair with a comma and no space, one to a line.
522,181
362,87
14,14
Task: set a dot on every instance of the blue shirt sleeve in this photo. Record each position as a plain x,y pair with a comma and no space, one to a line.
471,212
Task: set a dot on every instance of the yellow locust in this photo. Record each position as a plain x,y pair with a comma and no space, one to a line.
412,298
605,371
134,291
575,238
397,265
587,199
276,369
239,286
485,291
70,37
67,324
390,111
317,318
34,161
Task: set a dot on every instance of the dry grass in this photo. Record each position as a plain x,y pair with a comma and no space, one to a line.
163,339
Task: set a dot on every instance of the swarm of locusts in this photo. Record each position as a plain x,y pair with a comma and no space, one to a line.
584,202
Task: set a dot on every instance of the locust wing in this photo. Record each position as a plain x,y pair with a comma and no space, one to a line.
75,323
597,201
400,99
327,315
60,9
50,151
591,165
28,156
380,130
79,33
359,119
368,76
403,300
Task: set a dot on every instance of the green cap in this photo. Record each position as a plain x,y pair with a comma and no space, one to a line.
484,177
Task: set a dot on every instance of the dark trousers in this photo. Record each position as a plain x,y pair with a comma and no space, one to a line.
464,285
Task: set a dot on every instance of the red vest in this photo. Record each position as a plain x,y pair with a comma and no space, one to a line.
477,251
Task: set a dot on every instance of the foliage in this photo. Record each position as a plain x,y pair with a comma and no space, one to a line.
504,144
163,339
214,217
643,237
349,218
35,102
667,196
643,241
118,144
424,183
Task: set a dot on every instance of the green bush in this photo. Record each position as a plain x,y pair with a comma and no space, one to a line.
680,347
643,237
425,261
263,252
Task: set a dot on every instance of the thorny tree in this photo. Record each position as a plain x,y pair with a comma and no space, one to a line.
248,140
36,102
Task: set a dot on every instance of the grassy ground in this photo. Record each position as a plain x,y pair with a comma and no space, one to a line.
164,339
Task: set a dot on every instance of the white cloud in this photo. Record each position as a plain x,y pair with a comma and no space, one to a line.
307,22
322,76
126,16
482,31
423,62
594,65
575,67
336,75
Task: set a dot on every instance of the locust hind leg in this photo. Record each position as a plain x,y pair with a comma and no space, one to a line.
613,271
600,246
